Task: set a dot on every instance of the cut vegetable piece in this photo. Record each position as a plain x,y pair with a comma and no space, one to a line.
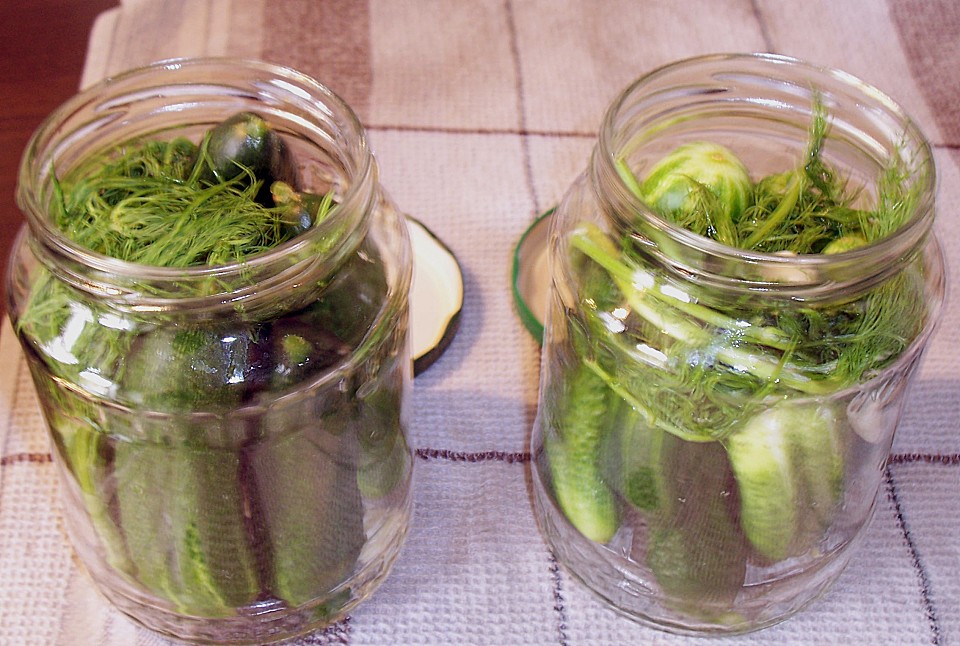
436,296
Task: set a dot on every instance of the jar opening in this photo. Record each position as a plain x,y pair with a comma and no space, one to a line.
185,98
761,107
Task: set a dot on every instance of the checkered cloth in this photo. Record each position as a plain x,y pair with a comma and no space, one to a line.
481,113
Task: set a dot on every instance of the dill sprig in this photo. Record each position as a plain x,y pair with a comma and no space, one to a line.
146,204
696,370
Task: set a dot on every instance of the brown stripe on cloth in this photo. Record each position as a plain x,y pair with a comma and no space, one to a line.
329,41
20,458
930,35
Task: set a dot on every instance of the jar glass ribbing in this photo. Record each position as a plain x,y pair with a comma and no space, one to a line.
217,485
643,406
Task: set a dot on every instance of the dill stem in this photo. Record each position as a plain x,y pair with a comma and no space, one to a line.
596,246
628,178
783,209
759,364
649,416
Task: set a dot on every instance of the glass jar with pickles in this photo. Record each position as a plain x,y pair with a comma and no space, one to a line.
743,282
212,295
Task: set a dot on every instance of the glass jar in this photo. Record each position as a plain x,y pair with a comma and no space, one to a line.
232,439
713,423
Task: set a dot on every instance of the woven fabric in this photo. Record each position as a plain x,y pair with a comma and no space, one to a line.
481,114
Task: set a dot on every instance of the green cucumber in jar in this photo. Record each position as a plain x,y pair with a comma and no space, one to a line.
700,175
816,438
309,506
694,547
631,458
761,459
182,512
573,451
789,464
182,369
246,143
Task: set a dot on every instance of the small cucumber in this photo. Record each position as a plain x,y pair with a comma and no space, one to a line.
573,453
632,458
760,455
300,210
178,369
310,508
182,513
674,183
144,475
245,143
694,547
816,441
216,565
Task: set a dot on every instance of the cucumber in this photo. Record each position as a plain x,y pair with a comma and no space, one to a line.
245,143
385,455
694,547
182,512
311,511
573,454
845,243
632,459
675,186
816,441
144,476
760,454
300,210
179,369
216,566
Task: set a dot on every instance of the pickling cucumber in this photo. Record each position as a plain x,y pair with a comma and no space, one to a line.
245,143
676,185
573,451
694,547
816,441
179,369
760,456
310,509
789,464
182,514
631,458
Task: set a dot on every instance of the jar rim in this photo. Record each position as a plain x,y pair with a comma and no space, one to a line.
106,101
726,68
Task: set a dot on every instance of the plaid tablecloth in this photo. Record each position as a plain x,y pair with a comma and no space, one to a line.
481,113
